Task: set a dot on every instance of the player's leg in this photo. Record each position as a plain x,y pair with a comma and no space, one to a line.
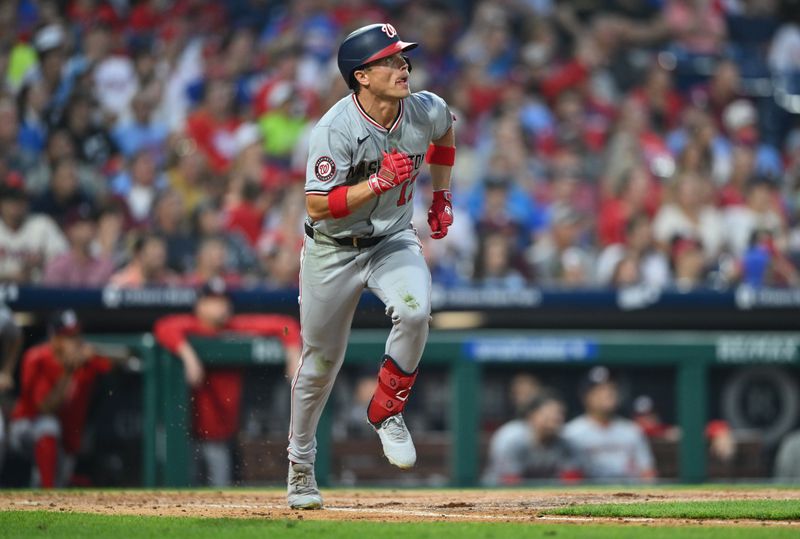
217,406
400,277
329,295
38,439
330,287
217,459
20,441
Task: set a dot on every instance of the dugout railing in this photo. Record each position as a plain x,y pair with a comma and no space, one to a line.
464,354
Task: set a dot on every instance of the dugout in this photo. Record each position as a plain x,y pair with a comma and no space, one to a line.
695,362
714,351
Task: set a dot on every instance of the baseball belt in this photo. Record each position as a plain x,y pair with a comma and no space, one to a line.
357,242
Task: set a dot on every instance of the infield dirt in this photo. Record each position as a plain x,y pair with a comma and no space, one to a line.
385,505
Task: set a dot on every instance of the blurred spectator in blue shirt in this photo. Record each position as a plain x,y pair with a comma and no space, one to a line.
143,130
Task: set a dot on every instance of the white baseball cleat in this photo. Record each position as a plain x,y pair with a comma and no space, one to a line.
302,491
397,444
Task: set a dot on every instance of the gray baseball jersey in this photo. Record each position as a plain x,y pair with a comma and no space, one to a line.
618,450
346,148
516,454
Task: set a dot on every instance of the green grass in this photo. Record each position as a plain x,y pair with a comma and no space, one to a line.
41,524
728,509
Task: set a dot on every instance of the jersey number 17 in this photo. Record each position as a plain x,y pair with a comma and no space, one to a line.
408,185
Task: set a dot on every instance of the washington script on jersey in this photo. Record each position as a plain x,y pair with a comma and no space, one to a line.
363,170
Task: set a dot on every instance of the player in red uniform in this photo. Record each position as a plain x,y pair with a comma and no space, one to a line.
56,386
217,393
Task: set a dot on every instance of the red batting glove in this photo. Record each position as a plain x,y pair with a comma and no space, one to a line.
440,216
396,168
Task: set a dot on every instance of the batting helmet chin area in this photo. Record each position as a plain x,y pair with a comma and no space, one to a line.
367,44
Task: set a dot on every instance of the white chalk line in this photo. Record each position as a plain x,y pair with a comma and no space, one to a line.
412,513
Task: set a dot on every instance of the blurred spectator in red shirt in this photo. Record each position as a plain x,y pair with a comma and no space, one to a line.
56,383
213,125
246,210
632,196
217,392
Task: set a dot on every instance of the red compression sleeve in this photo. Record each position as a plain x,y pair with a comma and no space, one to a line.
441,155
45,452
337,202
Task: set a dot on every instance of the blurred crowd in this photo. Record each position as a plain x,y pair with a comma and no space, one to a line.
611,143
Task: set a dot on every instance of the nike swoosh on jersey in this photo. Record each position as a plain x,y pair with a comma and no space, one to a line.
361,140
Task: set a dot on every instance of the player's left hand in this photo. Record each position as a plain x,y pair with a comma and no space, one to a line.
440,216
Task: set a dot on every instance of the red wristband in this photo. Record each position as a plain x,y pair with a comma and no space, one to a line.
441,155
337,202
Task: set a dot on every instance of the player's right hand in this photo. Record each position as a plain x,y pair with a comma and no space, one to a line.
396,168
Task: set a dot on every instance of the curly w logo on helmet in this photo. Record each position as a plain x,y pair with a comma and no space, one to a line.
389,30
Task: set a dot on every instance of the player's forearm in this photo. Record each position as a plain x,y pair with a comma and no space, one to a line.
187,354
440,177
318,206
440,174
55,398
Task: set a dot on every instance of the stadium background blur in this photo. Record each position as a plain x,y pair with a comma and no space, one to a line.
652,145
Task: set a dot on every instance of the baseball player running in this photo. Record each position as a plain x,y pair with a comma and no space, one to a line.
364,156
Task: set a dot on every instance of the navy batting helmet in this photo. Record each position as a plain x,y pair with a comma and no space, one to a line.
367,44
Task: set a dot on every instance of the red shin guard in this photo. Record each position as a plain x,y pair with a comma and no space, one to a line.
46,454
394,387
